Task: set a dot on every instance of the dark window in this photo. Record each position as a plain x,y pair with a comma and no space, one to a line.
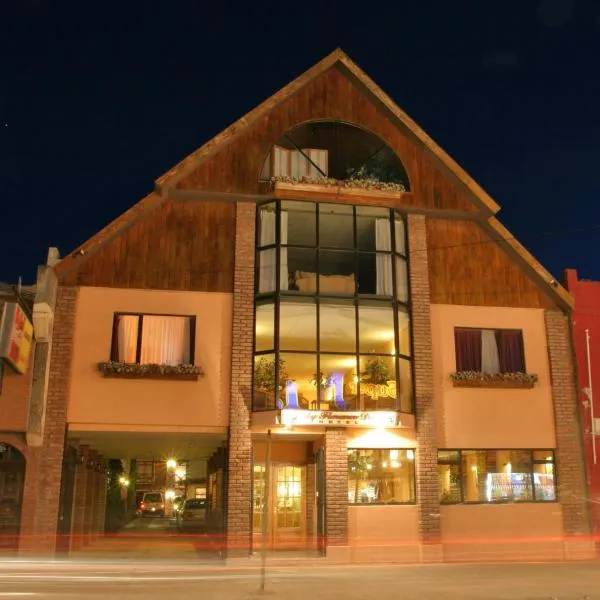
381,476
153,339
489,350
195,504
496,476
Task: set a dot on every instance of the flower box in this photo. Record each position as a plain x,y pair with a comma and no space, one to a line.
135,371
339,191
476,379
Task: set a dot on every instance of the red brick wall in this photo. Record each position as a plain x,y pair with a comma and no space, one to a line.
239,490
56,414
426,454
572,491
336,486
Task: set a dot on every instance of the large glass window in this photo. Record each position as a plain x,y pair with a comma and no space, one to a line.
381,476
496,476
332,315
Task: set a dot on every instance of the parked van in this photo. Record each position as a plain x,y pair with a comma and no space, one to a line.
152,504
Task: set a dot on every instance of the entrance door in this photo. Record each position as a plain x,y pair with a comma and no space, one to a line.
12,478
287,505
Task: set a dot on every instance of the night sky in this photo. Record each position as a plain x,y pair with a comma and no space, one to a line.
98,99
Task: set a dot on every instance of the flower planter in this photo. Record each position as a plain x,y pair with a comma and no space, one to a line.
172,376
119,370
285,190
507,383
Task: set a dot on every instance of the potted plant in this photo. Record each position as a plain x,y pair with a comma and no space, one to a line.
376,371
264,380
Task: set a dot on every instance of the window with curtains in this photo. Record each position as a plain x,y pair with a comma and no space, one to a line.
153,339
496,476
489,350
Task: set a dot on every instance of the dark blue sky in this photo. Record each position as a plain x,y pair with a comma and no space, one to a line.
98,99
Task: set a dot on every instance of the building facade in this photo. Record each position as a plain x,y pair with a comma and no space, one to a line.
321,311
586,338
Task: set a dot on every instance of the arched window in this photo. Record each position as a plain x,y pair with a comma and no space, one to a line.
333,150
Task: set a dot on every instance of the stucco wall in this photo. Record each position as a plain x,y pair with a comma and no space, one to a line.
492,418
160,404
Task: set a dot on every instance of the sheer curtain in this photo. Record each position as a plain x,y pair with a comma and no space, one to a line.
490,361
268,258
127,333
283,252
165,340
400,233
383,242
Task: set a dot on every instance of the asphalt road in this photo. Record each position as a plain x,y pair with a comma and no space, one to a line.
571,581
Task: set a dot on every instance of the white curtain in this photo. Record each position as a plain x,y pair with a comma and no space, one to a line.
283,253
400,233
320,158
127,334
165,340
267,258
383,242
490,362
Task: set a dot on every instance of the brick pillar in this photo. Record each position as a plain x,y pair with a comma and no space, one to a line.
51,462
572,491
239,482
428,496
100,495
310,489
90,499
79,498
336,486
102,499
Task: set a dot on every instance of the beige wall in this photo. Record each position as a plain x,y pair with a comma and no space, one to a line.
156,404
492,418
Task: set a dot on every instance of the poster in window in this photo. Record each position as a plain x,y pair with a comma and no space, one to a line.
16,337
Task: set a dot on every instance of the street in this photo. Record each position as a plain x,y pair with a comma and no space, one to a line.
128,580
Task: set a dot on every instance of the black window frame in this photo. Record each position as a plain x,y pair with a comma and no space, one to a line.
532,463
114,348
276,296
414,477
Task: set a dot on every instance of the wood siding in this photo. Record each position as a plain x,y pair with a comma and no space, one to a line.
467,267
179,246
237,166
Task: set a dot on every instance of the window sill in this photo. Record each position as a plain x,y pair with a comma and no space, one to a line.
172,376
308,191
505,384
117,370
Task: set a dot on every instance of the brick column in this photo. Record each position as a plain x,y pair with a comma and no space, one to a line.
428,498
572,490
90,499
51,462
239,482
100,503
79,498
310,491
336,486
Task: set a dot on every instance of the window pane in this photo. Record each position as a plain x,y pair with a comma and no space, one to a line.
544,482
263,397
266,225
510,351
338,382
373,228
338,327
165,340
297,377
376,328
302,270
336,226
404,331
496,476
449,483
367,273
401,279
448,456
400,235
406,386
543,455
301,223
127,337
381,476
298,325
336,272
378,383
267,270
265,327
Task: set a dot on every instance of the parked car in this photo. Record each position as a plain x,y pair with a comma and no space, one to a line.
152,504
192,515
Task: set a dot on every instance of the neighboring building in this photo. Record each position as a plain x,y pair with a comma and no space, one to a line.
586,337
323,275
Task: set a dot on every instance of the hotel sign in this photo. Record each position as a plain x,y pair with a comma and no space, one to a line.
16,337
290,417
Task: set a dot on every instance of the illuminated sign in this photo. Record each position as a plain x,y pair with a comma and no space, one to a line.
16,337
290,417
375,390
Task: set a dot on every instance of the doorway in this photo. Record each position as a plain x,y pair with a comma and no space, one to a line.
286,494
12,478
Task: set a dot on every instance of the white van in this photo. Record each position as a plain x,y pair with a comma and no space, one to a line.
152,504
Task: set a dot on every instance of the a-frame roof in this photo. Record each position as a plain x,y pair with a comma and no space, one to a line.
169,180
